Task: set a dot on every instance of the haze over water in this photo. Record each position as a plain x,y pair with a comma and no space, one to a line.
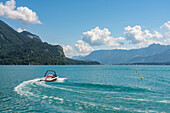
101,88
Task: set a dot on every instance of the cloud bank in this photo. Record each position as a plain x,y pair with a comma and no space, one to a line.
23,14
136,35
19,30
166,25
83,47
68,50
98,37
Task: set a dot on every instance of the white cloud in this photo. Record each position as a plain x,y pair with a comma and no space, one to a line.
19,30
68,50
24,14
136,35
83,47
166,28
80,48
166,25
157,35
145,44
110,41
167,41
167,34
98,37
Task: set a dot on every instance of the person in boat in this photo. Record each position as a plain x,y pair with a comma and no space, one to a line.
55,75
49,77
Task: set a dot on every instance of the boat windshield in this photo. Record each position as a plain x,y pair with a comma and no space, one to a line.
50,73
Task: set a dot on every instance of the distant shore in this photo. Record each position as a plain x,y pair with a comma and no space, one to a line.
168,63
98,64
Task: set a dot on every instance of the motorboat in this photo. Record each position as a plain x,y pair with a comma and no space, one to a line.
49,76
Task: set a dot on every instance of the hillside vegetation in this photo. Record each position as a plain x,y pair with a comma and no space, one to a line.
20,49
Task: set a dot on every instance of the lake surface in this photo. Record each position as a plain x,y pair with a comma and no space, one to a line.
101,88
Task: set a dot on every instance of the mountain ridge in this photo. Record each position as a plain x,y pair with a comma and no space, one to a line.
119,56
19,49
30,35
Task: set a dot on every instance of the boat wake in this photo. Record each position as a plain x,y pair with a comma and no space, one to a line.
23,88
61,80
28,88
87,96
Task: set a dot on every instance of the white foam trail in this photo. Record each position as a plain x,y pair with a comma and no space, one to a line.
22,88
146,111
60,79
44,97
128,98
164,101
147,88
56,98
94,104
61,88
161,101
117,108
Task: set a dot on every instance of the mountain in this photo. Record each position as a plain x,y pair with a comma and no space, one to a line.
78,57
19,49
118,56
163,57
30,35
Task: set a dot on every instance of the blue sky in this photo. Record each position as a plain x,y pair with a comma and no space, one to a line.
64,21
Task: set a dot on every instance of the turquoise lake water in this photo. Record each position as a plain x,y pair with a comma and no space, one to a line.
101,88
